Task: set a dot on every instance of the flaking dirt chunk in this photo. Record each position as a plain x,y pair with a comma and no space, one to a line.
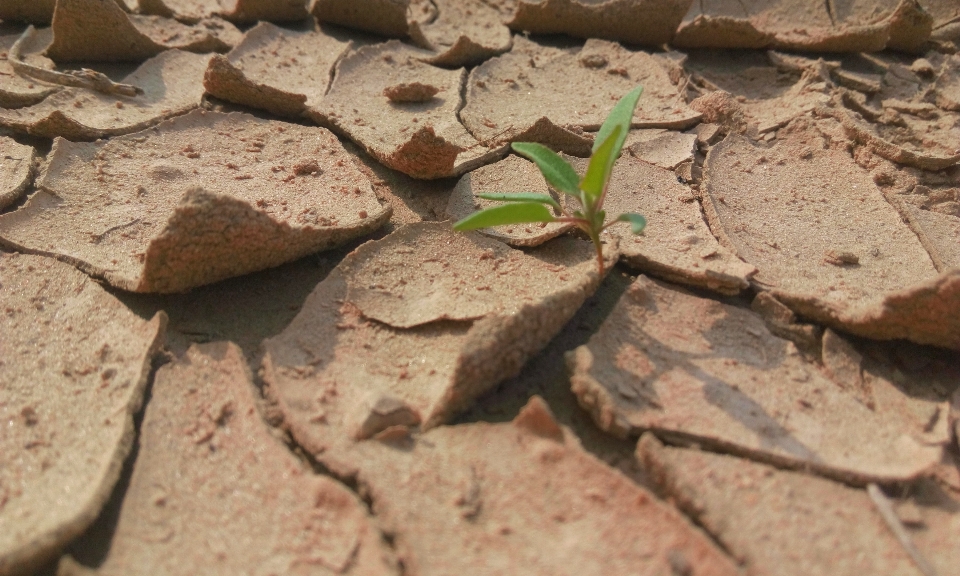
422,139
508,94
763,515
465,32
214,492
274,69
650,22
697,370
524,498
387,17
676,245
171,83
99,30
239,11
16,170
826,242
73,365
200,198
667,150
812,25
512,174
16,90
412,328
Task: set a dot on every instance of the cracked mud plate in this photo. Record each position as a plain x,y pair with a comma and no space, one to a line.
697,370
410,329
825,240
200,198
214,492
74,362
464,33
274,69
239,11
390,18
16,170
524,498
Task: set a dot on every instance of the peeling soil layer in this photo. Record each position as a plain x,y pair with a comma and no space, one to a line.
238,334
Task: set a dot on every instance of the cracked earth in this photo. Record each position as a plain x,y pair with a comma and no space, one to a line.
239,336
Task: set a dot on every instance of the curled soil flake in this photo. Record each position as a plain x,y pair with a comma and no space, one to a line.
239,11
421,138
516,94
17,91
171,83
390,18
650,22
205,209
465,32
73,370
462,499
697,370
16,170
99,30
513,174
278,70
801,213
423,321
212,487
763,515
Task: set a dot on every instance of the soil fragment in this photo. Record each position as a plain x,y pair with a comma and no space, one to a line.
465,33
208,208
16,170
389,18
74,366
239,11
17,91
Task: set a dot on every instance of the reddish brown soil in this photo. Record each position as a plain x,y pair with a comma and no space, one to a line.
239,336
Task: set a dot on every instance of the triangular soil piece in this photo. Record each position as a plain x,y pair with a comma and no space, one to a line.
483,498
16,170
411,329
208,470
239,11
172,85
940,235
512,174
231,194
465,33
74,367
275,69
387,17
825,240
676,245
32,11
667,150
506,95
17,91
99,30
650,22
763,515
402,111
700,371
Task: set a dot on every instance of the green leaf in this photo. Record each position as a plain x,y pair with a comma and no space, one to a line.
637,222
555,169
513,213
601,164
622,116
521,197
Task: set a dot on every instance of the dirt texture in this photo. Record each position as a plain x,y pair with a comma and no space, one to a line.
171,86
238,11
277,70
206,464
225,195
16,170
737,386
413,335
421,138
74,362
508,94
764,515
101,30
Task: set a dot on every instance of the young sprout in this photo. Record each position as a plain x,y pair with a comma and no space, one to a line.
589,191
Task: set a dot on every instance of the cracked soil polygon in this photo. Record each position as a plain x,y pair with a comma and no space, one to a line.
171,83
222,195
465,33
701,371
16,170
214,492
239,11
74,363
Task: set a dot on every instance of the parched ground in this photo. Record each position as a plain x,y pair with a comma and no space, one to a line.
238,334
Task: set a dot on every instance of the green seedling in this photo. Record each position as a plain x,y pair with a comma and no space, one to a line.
589,191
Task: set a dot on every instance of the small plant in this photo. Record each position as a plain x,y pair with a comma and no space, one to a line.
590,191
